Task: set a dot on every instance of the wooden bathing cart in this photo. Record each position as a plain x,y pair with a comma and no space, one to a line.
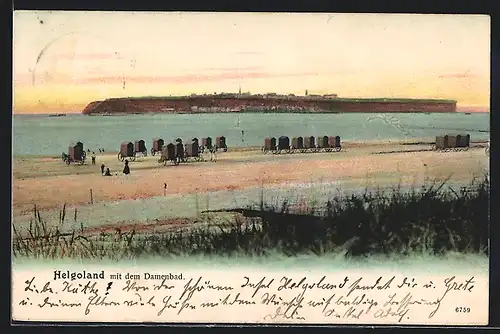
76,154
127,151
157,146
140,147
206,144
168,154
283,145
192,151
220,143
452,142
298,145
269,145
334,143
323,144
310,144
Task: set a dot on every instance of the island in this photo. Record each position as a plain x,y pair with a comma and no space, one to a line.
264,103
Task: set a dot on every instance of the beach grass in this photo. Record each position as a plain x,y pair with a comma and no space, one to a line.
434,219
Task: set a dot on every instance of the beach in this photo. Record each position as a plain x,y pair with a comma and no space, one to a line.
49,183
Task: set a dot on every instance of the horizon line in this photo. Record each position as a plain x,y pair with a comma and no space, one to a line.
479,110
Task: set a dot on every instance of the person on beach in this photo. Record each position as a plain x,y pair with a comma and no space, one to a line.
213,154
108,172
102,169
126,169
93,158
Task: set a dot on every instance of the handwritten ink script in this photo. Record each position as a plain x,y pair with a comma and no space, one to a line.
265,298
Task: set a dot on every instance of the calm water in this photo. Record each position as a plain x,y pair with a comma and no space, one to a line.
43,135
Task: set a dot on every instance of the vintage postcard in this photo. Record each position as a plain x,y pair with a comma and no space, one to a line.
258,168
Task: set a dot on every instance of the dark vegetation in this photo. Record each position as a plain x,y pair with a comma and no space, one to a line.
435,219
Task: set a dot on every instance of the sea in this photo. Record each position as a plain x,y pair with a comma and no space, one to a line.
49,136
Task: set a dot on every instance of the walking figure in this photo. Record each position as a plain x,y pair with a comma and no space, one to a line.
126,169
102,169
93,158
213,154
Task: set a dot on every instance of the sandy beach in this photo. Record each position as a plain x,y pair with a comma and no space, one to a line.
49,183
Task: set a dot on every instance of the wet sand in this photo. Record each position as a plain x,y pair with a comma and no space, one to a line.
49,183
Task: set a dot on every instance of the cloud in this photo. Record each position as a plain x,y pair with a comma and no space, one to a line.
187,78
473,108
87,56
235,69
459,75
98,76
249,53
22,78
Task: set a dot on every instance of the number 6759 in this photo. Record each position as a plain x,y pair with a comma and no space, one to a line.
462,309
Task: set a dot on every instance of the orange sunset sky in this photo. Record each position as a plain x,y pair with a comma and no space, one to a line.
64,60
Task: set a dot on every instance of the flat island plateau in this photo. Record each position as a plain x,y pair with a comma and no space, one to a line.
262,103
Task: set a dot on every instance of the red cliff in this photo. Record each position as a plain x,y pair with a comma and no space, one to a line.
262,103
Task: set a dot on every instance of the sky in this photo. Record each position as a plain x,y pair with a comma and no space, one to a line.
64,60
